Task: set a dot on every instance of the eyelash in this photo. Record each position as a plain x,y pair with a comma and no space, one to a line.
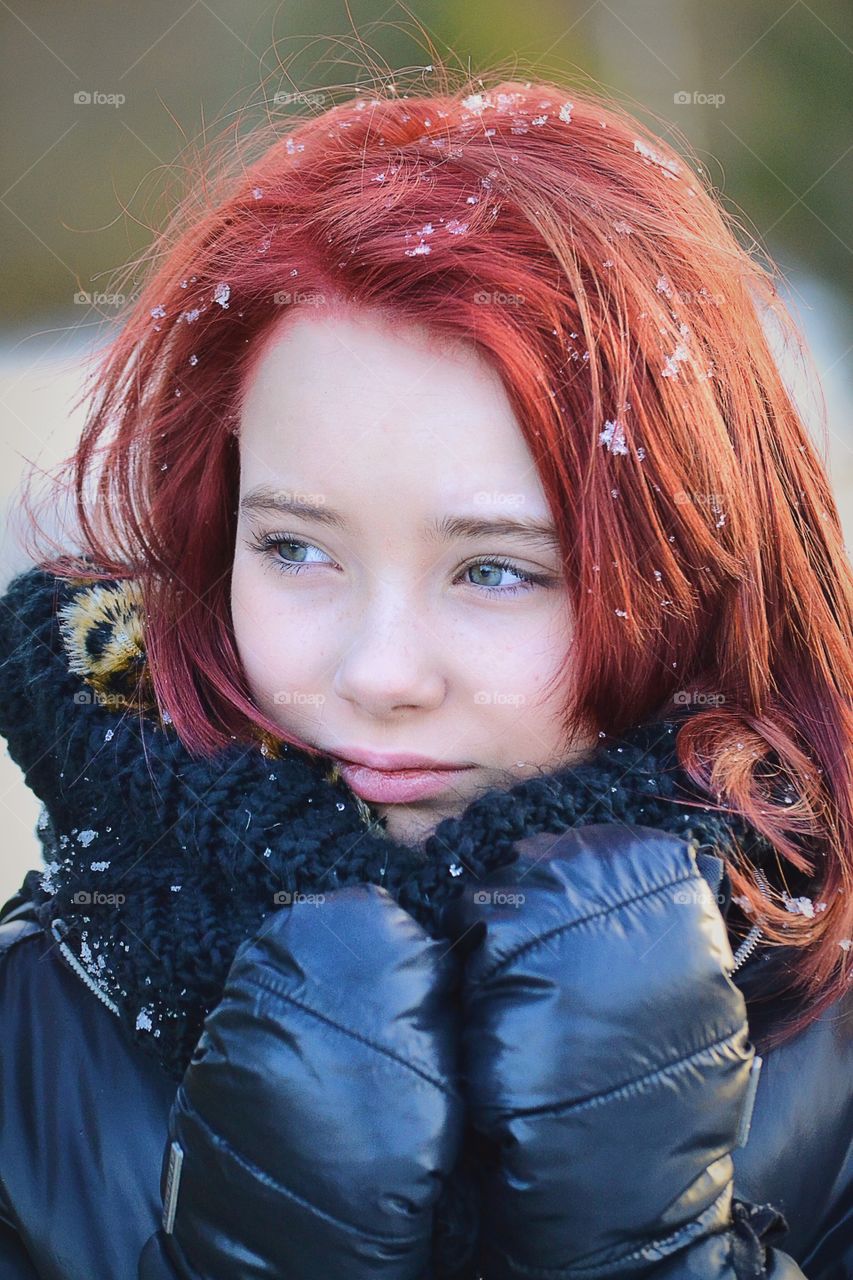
268,543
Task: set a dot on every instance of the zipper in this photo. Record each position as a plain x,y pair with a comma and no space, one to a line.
752,939
76,967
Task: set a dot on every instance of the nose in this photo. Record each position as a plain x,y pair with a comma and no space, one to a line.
390,660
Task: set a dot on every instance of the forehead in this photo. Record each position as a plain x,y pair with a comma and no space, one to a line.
321,353
354,401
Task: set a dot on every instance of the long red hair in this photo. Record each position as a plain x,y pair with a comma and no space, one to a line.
597,269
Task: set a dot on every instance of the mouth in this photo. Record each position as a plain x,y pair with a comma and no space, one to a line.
398,786
393,761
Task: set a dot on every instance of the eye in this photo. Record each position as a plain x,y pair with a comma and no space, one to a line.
288,554
527,581
268,545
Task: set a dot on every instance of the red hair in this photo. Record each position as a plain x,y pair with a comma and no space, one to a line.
597,270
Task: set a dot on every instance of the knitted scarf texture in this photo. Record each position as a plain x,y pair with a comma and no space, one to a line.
158,864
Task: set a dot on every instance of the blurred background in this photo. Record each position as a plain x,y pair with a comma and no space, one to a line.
100,102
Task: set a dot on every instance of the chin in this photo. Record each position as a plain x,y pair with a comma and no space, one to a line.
413,824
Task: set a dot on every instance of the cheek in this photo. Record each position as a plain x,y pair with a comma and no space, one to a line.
523,686
279,651
521,717
525,657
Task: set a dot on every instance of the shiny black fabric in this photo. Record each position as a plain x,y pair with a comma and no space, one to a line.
338,1182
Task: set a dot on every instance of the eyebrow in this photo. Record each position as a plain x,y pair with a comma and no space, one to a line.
442,529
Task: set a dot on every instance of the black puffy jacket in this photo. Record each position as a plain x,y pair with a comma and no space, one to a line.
306,1135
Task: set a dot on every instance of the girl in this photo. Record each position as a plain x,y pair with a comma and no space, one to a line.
443,731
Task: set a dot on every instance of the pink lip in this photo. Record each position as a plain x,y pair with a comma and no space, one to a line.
397,786
392,762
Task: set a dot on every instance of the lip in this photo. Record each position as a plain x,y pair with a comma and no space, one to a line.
398,786
395,761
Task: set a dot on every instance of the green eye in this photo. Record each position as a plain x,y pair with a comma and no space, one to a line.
270,546
504,566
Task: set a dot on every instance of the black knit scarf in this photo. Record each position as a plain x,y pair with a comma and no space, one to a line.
170,862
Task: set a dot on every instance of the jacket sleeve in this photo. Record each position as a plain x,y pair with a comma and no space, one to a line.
317,1122
607,1065
15,1262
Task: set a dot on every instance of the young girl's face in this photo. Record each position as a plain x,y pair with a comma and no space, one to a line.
364,626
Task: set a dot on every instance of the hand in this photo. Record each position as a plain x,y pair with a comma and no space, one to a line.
605,1055
319,1117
